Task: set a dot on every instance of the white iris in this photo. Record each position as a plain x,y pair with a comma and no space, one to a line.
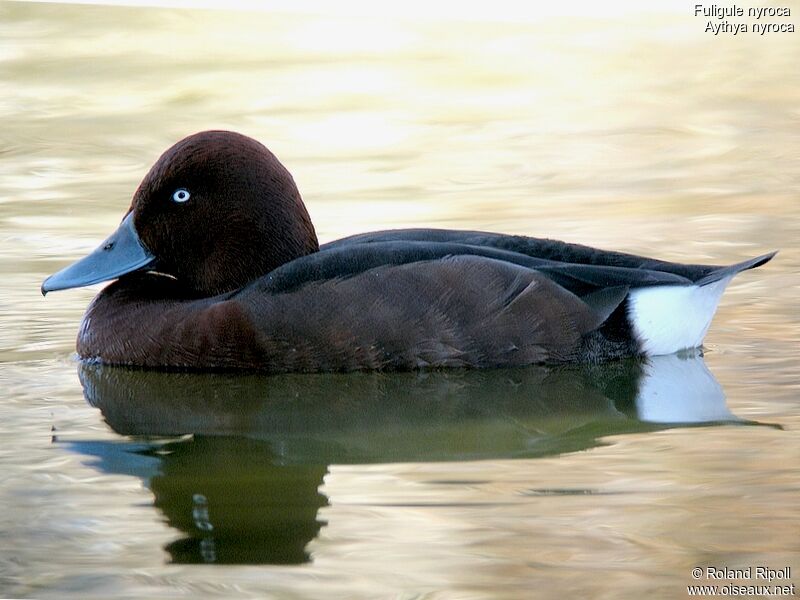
181,195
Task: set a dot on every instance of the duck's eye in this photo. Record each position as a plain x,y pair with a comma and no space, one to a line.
181,195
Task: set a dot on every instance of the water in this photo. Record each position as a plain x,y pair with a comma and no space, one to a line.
621,129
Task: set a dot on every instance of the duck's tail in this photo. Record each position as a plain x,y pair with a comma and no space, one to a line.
732,270
669,318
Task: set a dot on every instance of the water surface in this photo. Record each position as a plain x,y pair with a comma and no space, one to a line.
628,130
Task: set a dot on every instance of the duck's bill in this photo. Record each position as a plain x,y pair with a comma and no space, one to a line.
123,252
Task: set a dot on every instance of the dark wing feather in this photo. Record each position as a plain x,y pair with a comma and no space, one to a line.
553,250
347,260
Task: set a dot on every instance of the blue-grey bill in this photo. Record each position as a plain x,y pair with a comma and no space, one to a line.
123,252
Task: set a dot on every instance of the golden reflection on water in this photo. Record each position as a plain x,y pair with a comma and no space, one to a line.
613,124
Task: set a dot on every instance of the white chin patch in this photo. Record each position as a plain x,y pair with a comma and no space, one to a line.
668,318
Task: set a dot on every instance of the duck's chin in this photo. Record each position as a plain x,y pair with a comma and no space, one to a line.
149,285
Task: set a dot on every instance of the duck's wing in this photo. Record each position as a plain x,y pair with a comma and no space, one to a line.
410,303
351,256
665,306
456,311
347,260
563,253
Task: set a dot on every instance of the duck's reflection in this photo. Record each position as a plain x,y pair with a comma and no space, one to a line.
237,505
244,488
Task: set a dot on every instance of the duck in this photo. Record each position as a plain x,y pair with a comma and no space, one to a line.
216,266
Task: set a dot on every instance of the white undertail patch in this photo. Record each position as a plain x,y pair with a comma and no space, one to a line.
668,318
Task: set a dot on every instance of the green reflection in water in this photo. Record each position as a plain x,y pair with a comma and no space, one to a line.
244,486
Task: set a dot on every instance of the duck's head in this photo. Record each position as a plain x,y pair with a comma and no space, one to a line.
216,211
